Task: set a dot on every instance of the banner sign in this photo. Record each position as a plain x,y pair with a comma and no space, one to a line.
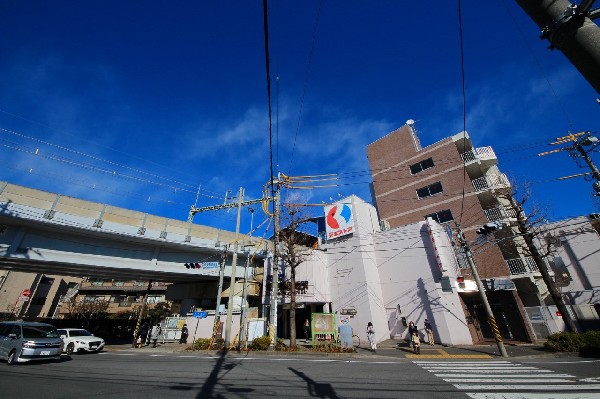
339,220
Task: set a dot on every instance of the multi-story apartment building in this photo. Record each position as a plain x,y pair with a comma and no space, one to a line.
47,295
455,183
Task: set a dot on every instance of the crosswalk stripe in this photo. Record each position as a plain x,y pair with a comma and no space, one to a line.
489,370
532,395
512,380
500,375
506,380
580,387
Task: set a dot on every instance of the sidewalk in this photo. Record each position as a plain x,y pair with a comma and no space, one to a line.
387,349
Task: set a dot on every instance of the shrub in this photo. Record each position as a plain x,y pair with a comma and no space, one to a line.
587,344
564,342
260,343
200,344
280,345
591,347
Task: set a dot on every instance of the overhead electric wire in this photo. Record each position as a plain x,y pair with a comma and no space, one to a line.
464,103
79,137
306,78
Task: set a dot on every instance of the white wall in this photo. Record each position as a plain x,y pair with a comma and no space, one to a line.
376,271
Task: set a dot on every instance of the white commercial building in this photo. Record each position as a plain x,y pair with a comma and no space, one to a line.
386,277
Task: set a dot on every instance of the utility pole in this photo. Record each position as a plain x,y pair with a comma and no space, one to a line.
488,309
220,288
244,302
141,315
570,28
275,268
577,150
228,321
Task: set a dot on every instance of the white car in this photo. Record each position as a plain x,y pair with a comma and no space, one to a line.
80,340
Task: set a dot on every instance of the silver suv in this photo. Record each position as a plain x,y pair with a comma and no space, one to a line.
22,341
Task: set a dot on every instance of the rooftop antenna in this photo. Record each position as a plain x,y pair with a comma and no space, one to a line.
411,125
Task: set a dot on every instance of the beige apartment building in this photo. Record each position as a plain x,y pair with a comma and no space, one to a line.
37,295
455,183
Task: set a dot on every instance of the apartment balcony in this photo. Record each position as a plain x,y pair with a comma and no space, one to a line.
499,214
518,266
480,154
491,182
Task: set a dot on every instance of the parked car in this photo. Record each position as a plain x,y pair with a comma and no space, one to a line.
22,341
80,340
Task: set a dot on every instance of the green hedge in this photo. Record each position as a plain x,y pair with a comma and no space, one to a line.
587,344
260,343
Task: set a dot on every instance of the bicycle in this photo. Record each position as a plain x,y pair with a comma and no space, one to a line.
355,341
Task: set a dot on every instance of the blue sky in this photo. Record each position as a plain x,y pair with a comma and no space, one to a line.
137,103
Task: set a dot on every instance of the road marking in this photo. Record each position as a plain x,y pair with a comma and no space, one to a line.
506,380
533,395
580,387
442,354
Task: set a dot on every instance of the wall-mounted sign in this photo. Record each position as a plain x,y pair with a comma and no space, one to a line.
348,311
339,220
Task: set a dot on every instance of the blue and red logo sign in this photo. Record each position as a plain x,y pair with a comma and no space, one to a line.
338,220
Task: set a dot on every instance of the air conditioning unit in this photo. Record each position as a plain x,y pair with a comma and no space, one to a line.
594,216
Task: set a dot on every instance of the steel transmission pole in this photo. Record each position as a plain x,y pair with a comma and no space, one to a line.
486,304
228,321
570,29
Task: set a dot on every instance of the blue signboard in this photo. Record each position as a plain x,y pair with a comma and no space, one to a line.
200,315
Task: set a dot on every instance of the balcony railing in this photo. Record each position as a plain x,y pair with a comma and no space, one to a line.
522,265
478,153
491,182
500,213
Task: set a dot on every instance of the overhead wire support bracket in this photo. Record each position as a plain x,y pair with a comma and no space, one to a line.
194,209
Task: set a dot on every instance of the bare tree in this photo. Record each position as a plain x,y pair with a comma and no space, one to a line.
86,309
296,248
528,226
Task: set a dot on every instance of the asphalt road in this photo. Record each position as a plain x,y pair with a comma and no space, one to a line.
146,374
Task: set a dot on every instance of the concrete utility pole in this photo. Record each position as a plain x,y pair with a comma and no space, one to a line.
486,304
142,314
228,321
220,287
569,28
577,150
275,275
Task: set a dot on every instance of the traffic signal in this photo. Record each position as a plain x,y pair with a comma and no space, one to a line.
488,228
193,265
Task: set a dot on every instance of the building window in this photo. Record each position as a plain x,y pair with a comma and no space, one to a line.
421,166
430,190
38,301
441,216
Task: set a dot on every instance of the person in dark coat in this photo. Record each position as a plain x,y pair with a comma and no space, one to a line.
306,328
429,332
184,334
412,331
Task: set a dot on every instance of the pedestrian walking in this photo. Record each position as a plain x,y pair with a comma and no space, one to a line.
412,331
184,334
306,328
371,336
429,332
416,343
154,334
